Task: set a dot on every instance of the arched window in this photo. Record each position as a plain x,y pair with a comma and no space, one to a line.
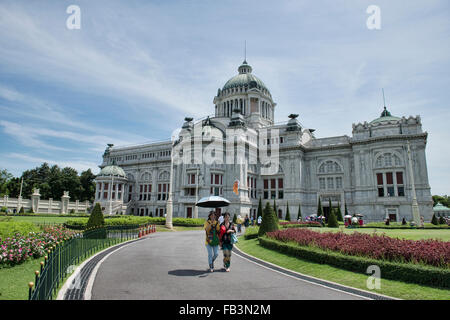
330,166
388,159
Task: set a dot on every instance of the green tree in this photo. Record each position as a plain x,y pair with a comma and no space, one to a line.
330,207
441,220
319,209
332,220
87,186
434,220
339,213
275,209
269,221
346,210
288,215
260,210
96,218
235,218
5,178
299,213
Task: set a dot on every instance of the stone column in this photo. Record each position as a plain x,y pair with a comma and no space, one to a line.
50,205
65,202
77,203
35,200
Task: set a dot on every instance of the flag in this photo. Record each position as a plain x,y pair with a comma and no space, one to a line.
236,187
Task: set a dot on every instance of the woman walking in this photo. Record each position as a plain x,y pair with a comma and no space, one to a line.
226,230
212,228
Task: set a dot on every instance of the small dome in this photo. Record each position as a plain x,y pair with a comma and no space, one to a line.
245,78
112,170
385,116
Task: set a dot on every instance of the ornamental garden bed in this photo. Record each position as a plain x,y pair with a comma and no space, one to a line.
25,244
424,262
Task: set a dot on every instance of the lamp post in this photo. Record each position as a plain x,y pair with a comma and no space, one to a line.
415,205
196,194
110,195
169,207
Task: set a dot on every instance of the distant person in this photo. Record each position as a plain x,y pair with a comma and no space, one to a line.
259,220
226,230
239,223
212,229
221,218
246,221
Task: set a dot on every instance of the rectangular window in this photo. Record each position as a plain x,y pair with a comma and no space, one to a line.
280,183
389,178
266,184
322,183
399,177
266,194
379,179
330,183
381,192
272,194
401,191
390,191
338,183
280,194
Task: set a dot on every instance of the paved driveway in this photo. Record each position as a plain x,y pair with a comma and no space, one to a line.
173,265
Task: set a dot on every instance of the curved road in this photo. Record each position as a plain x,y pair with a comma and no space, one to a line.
173,265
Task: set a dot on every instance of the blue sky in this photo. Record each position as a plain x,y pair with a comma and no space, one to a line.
135,69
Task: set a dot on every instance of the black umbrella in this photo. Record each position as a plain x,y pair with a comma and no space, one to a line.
212,202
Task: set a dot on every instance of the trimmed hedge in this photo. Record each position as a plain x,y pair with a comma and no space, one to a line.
299,225
251,233
79,224
406,272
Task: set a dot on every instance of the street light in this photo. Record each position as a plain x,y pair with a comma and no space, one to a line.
170,201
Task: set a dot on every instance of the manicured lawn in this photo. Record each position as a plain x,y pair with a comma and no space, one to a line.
14,280
42,219
388,287
414,234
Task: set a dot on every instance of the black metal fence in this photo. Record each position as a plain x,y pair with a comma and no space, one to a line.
62,258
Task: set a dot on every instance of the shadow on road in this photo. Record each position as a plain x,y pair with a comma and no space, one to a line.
189,272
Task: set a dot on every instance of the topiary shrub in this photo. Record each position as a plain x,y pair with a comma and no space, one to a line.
434,220
260,212
332,220
339,213
235,218
442,220
403,221
299,214
269,221
96,219
288,215
22,210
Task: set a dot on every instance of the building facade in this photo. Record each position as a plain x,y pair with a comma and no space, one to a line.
380,171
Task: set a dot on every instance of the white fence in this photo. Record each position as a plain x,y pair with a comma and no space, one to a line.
45,206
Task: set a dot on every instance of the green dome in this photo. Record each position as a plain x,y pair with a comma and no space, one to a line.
245,78
112,170
385,116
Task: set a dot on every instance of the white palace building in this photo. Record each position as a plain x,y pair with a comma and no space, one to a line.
380,171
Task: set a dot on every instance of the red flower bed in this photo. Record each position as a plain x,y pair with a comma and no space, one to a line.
432,252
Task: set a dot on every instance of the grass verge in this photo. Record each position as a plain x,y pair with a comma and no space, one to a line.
391,288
